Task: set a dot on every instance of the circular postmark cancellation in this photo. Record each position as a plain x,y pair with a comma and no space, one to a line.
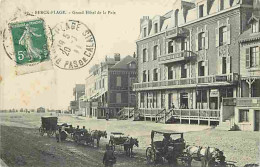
26,40
73,46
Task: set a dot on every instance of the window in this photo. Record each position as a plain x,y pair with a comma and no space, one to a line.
224,65
183,71
118,97
118,81
156,28
201,11
221,5
103,83
145,32
243,115
132,81
170,47
222,36
201,97
170,72
254,57
201,68
255,27
144,55
148,75
144,76
201,41
155,74
155,51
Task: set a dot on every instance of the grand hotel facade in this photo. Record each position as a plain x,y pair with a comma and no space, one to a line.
189,61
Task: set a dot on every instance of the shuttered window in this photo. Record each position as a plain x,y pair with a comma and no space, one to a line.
247,57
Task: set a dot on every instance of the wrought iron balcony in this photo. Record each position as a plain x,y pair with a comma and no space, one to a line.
188,82
175,57
175,32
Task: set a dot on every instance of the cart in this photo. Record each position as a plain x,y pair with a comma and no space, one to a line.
49,125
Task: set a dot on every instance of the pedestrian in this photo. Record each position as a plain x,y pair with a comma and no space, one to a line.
173,106
107,116
109,158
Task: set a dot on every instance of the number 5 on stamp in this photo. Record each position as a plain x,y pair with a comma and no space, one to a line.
29,41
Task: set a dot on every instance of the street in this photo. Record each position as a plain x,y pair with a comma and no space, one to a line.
21,144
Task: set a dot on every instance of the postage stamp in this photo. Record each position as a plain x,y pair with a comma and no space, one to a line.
74,45
29,41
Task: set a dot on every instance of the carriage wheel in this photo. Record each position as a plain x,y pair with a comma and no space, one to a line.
150,156
41,131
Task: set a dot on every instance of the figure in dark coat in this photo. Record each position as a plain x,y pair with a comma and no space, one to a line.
109,158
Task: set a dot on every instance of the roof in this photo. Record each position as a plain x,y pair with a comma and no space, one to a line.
166,132
168,14
123,64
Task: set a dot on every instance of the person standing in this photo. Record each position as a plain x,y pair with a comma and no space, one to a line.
109,158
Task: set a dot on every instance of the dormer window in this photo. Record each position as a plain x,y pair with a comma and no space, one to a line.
255,26
145,32
156,28
201,11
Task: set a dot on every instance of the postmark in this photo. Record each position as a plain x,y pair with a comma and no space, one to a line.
74,45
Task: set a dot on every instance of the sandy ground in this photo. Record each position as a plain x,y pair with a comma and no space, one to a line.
238,146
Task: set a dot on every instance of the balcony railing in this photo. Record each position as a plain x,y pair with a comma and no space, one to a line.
177,56
211,79
175,32
202,114
242,101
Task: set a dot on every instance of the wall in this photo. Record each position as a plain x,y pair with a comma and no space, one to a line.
245,126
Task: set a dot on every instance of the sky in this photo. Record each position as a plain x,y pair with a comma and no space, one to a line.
113,34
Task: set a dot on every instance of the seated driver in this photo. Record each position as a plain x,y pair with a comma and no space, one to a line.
167,140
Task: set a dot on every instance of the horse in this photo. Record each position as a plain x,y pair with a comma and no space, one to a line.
129,144
97,134
203,154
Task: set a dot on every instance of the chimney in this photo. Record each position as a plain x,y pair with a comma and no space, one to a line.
134,55
117,56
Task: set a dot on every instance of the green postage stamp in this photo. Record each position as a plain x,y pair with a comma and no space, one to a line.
29,42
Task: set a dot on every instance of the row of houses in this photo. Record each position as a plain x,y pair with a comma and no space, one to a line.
198,63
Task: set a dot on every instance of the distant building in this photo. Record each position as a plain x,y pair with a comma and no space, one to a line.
78,91
40,110
109,86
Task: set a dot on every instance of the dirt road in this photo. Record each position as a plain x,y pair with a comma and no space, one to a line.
25,147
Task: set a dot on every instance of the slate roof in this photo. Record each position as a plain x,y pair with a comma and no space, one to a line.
123,64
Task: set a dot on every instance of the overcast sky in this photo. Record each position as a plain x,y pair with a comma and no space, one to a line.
113,33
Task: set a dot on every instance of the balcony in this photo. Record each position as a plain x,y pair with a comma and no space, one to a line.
188,82
176,57
242,101
175,32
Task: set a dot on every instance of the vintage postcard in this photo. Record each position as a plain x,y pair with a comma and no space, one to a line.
130,83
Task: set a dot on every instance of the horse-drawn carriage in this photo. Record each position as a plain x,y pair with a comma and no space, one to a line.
83,136
49,125
118,138
168,149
